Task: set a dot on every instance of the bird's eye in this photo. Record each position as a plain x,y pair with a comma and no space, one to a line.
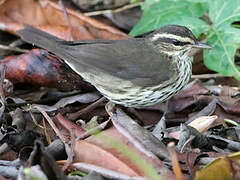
176,42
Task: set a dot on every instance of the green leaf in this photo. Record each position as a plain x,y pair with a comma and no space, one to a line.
220,34
224,12
134,1
196,25
224,38
159,13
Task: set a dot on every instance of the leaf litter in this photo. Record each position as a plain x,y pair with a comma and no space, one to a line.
203,121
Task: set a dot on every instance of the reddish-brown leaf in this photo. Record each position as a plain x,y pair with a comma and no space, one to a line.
98,151
48,16
40,68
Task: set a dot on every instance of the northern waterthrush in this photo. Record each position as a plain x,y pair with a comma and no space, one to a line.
134,72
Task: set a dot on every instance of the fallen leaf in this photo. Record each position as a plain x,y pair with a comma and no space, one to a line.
48,16
99,151
41,68
221,168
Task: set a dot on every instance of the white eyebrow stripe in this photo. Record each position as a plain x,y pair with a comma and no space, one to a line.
172,36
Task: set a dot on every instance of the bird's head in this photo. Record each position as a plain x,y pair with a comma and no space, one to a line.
175,39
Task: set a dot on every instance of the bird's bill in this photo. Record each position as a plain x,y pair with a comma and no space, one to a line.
201,45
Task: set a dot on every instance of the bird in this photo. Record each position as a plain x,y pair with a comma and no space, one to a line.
133,72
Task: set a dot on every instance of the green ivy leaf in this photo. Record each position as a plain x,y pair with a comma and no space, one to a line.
162,12
196,25
224,38
220,34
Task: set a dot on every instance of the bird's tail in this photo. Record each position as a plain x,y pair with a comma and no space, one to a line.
39,38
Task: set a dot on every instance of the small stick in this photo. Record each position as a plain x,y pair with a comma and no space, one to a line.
208,76
129,6
13,49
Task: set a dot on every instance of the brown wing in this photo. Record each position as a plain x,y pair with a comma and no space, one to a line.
130,59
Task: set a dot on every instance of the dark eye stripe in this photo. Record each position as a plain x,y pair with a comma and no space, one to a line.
179,43
170,40
185,43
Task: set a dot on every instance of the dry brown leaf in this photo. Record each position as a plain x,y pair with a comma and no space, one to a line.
41,68
67,123
203,123
97,151
48,16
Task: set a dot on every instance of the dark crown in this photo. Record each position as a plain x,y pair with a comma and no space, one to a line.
177,30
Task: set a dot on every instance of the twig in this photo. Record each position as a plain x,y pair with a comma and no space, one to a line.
17,43
42,101
67,18
13,49
129,6
90,107
70,150
2,77
208,76
56,130
175,164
